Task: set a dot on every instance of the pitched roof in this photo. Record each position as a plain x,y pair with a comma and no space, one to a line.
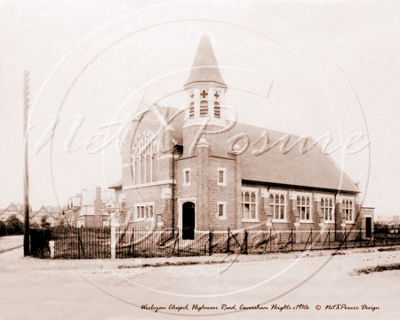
205,66
314,169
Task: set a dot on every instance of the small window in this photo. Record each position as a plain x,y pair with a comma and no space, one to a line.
186,177
191,111
203,108
217,111
221,177
221,214
144,211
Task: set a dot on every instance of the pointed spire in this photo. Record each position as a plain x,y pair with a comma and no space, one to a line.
205,66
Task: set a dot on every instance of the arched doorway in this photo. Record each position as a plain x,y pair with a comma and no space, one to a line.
188,221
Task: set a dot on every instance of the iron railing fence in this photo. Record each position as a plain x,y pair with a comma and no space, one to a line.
92,243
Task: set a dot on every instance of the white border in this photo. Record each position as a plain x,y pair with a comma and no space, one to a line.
223,217
223,184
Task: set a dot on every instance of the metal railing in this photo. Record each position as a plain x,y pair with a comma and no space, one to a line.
91,243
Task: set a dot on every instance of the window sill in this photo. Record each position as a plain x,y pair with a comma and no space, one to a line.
142,219
280,221
250,220
329,222
221,184
306,221
221,218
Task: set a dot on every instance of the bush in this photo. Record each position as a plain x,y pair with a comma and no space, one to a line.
44,224
14,225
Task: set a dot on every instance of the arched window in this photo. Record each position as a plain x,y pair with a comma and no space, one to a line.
203,108
143,159
191,111
217,110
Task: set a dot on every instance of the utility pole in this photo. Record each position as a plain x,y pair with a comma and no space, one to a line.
26,168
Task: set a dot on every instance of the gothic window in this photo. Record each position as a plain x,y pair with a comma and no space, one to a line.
144,157
277,204
304,207
327,209
249,205
203,108
217,111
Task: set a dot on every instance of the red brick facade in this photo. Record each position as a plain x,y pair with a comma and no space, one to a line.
186,168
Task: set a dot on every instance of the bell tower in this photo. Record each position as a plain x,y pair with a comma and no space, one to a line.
205,88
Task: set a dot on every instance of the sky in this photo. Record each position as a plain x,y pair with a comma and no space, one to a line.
301,67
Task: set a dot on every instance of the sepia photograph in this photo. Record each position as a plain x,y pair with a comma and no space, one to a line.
193,159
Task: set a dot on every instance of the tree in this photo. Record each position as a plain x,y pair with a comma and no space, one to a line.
44,224
14,225
3,228
34,225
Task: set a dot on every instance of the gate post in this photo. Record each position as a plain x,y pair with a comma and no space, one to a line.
51,243
113,240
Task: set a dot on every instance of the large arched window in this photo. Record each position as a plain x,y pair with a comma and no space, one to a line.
144,159
203,108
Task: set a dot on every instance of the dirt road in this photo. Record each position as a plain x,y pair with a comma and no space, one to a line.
289,287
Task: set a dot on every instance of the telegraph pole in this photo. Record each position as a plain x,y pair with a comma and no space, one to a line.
26,168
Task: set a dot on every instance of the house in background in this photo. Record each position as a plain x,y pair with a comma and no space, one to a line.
52,215
90,208
13,208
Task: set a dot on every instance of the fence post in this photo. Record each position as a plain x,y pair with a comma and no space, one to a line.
374,237
227,245
329,238
113,240
210,236
245,241
291,238
311,240
270,240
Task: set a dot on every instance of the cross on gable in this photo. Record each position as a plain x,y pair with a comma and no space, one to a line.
204,94
216,95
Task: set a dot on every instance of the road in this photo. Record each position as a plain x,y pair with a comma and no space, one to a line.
105,289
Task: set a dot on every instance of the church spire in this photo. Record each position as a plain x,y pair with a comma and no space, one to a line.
205,67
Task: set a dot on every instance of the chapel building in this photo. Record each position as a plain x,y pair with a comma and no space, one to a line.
223,179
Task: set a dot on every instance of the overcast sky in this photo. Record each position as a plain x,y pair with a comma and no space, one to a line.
302,67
